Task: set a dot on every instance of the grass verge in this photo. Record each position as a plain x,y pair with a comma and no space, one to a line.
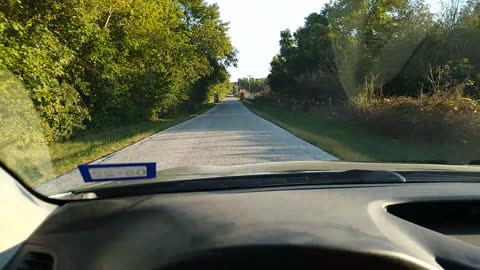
92,145
351,141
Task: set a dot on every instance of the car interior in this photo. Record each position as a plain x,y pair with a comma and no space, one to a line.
396,225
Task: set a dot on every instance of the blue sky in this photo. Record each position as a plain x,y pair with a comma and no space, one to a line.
255,27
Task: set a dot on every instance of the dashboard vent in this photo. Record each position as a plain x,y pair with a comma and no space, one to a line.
35,261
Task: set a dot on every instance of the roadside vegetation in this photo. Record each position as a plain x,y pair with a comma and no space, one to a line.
90,62
389,75
256,85
92,145
71,69
339,134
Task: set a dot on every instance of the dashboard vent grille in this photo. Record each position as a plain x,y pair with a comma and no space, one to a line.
36,261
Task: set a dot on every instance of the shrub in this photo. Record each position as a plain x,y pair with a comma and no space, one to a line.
444,115
434,117
61,111
22,143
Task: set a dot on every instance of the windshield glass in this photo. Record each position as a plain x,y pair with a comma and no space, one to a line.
98,91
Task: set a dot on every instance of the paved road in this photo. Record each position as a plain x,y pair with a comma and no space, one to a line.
228,134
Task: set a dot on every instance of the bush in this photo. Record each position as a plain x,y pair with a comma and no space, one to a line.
124,61
439,117
23,147
318,86
60,110
444,115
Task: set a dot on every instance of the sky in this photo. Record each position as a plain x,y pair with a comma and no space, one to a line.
255,27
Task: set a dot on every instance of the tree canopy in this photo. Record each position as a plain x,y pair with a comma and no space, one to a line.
255,84
398,42
91,62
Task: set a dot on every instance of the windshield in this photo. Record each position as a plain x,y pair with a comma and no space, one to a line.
98,91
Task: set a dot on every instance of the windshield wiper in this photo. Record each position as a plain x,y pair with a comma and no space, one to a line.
240,182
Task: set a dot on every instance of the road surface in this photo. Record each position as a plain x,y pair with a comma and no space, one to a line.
228,134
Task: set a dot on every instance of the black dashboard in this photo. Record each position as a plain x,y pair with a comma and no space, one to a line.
391,226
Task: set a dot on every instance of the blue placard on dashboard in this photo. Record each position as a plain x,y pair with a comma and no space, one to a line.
118,172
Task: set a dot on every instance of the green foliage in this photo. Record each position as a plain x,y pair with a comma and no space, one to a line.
406,73
444,115
20,125
350,140
398,40
256,85
22,142
221,88
437,117
87,63
94,144
305,69
60,111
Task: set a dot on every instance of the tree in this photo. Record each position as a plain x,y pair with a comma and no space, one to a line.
396,41
256,85
113,61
